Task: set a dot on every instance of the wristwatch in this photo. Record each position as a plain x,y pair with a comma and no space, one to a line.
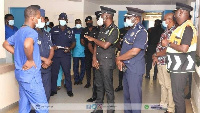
169,44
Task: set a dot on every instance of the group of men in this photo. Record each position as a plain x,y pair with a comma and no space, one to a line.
39,55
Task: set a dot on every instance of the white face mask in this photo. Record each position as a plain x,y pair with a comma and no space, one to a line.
42,24
125,24
38,24
100,21
62,22
129,22
164,24
11,22
47,23
78,26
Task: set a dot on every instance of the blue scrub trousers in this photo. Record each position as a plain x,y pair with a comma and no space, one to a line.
65,63
132,89
59,77
78,77
32,93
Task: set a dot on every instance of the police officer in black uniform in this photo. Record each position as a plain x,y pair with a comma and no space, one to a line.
94,34
64,40
104,58
88,54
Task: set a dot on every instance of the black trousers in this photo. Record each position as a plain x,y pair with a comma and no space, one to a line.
94,89
178,81
104,83
88,66
150,51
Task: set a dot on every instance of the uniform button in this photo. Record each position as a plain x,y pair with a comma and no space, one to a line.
97,53
106,57
98,46
128,61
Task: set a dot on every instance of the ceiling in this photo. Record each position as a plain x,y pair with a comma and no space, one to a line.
137,2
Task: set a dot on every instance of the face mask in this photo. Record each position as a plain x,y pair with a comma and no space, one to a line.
47,23
125,24
164,24
38,24
100,21
62,22
129,23
78,26
89,24
11,22
42,24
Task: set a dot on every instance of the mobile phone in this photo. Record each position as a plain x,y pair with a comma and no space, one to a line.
124,68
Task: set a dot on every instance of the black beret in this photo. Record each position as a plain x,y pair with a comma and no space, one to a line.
133,11
88,18
63,16
107,10
183,6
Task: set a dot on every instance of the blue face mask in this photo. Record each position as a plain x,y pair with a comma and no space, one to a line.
129,22
125,24
11,22
62,22
164,24
78,26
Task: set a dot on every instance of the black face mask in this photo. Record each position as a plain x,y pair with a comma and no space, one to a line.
89,24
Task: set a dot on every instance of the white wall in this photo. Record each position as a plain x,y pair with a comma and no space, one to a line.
143,7
53,8
2,29
9,89
89,10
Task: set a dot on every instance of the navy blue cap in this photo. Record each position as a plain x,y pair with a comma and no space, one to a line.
183,6
42,12
88,18
63,16
107,10
98,14
133,11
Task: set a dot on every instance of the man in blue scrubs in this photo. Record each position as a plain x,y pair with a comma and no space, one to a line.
78,54
23,44
46,53
10,29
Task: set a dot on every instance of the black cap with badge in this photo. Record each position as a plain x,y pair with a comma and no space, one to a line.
134,11
63,16
183,6
98,14
107,10
88,18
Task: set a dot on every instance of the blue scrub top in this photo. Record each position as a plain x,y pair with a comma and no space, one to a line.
9,32
17,40
78,51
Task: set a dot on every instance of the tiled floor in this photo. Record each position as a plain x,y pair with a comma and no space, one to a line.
151,94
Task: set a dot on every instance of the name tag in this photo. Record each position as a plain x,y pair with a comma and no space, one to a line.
56,31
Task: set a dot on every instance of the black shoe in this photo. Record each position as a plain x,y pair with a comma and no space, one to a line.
80,82
65,86
91,99
76,83
70,94
147,76
53,93
188,96
87,86
154,77
119,88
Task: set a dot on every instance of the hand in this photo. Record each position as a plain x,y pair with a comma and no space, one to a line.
55,47
155,61
153,56
95,63
28,65
67,50
47,61
119,64
89,38
44,66
165,42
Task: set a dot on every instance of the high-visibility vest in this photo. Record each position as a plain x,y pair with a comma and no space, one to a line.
179,62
